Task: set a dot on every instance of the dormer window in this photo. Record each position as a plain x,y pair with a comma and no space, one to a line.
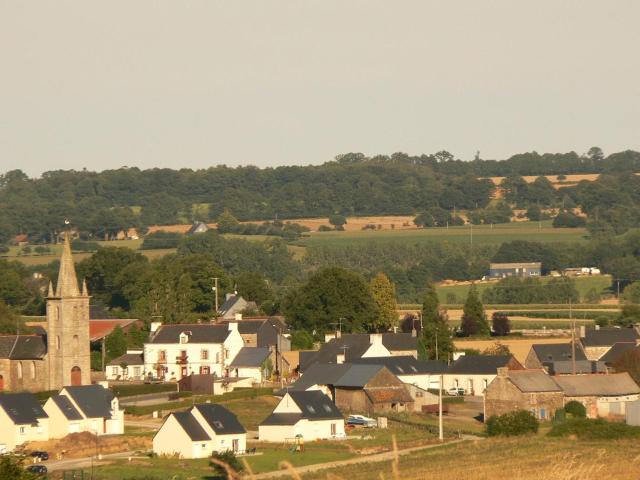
184,337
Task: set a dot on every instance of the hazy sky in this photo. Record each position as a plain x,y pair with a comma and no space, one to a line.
198,83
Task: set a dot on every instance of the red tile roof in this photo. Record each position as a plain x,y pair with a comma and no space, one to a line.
98,329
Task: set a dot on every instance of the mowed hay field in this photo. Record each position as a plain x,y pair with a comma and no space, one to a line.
527,458
519,347
478,234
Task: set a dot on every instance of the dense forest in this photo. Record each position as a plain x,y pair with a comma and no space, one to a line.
101,204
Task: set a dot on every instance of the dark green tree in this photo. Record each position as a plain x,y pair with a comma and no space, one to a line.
226,222
115,344
329,296
435,339
384,296
474,320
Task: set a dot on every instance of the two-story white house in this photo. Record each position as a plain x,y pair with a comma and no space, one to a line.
177,351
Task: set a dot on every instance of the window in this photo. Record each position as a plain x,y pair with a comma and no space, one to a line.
327,408
204,355
226,353
217,424
162,356
114,370
333,429
75,342
184,338
217,358
485,383
19,369
136,371
33,370
58,342
22,430
311,409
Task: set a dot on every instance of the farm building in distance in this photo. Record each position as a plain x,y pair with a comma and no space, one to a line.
501,270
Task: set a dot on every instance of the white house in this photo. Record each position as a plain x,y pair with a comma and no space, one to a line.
200,431
308,414
475,372
129,366
87,408
22,419
177,351
422,374
251,363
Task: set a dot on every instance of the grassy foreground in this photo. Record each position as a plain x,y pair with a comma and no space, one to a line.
531,458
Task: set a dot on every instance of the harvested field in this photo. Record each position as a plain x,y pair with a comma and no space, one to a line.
519,347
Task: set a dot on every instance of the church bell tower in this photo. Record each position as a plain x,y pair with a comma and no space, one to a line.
68,326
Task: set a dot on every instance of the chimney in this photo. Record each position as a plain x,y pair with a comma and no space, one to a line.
597,327
375,339
155,326
238,317
328,337
503,372
414,332
340,358
338,334
233,326
583,331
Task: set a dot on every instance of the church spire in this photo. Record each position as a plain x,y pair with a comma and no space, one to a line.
67,281
50,292
85,291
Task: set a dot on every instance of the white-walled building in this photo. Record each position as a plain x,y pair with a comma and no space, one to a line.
200,431
308,414
177,351
475,372
129,366
87,408
251,363
422,374
22,419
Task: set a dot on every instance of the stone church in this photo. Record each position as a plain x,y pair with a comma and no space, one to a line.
56,354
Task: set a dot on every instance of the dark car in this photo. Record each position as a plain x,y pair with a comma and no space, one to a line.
37,469
40,454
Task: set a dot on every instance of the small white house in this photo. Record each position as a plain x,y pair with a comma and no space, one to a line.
310,415
177,351
129,366
200,431
86,408
251,363
22,419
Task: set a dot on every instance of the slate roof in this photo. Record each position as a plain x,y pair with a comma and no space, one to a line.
66,407
200,333
250,357
282,419
616,384
551,352
315,405
405,365
608,336
533,381
23,347
230,302
358,375
479,364
221,420
565,367
617,351
94,401
191,426
354,345
320,374
22,408
129,359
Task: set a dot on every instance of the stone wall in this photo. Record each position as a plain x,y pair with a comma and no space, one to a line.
502,397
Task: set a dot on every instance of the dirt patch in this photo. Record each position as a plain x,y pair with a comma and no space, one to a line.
79,445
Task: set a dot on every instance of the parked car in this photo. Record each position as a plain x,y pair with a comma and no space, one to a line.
40,455
456,391
361,420
37,469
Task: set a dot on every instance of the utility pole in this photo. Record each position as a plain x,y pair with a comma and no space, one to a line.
436,343
440,429
215,289
573,339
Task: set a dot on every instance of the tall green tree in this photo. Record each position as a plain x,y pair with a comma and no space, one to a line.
384,296
115,344
435,337
331,295
474,320
226,222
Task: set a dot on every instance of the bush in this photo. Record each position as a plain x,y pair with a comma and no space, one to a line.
228,458
500,324
568,220
161,239
575,409
520,422
325,228
598,429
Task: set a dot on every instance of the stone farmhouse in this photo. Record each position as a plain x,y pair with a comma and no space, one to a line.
542,394
596,342
57,354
